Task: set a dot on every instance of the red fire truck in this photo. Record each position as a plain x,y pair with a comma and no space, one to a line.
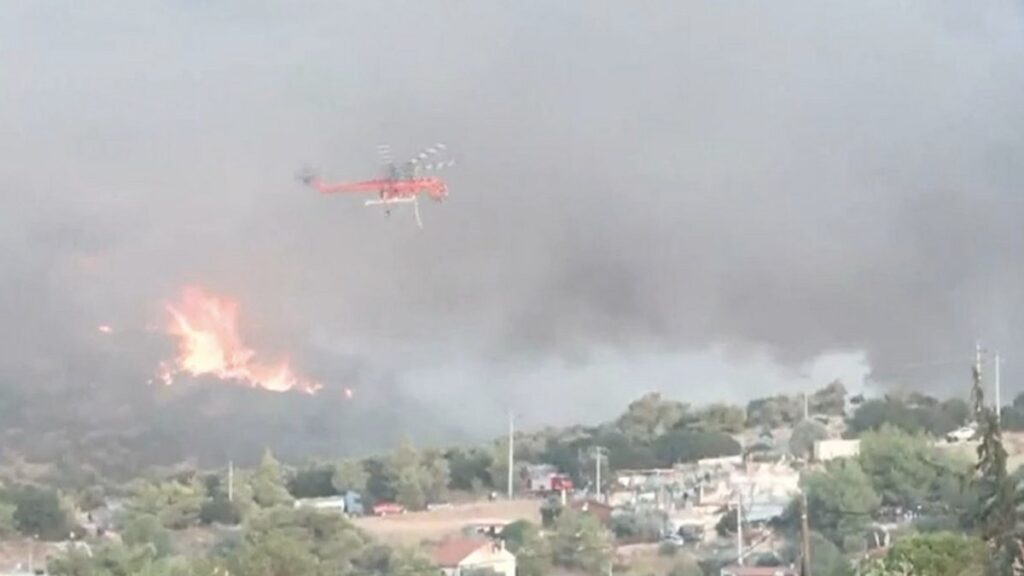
547,480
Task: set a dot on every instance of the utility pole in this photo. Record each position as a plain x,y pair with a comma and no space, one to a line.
805,538
511,453
807,410
598,453
739,529
231,481
995,377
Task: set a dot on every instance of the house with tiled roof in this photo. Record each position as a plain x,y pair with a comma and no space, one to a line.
758,571
461,556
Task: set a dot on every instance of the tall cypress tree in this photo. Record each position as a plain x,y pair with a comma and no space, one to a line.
997,491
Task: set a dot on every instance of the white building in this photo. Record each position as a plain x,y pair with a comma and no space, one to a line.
459,556
825,450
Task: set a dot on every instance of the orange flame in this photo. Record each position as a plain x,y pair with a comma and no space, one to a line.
209,344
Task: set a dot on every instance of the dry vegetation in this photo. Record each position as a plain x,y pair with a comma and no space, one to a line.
415,527
1012,441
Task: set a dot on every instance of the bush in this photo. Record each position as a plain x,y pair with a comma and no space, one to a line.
550,510
312,482
801,442
146,529
686,567
938,554
219,511
38,513
726,524
917,414
513,534
690,445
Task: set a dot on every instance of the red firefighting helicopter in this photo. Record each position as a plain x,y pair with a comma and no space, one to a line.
398,184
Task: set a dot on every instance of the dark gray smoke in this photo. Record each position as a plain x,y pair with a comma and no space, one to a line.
636,182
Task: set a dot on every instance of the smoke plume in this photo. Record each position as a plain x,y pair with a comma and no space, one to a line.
782,181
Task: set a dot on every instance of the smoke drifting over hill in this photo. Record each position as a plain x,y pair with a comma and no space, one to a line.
791,179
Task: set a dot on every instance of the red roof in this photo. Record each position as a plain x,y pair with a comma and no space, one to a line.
758,571
599,510
451,552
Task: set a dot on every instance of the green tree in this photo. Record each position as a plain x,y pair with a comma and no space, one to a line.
350,475
876,413
184,503
916,414
830,400
686,566
997,492
409,562
550,510
805,434
146,530
998,497
121,560
219,510
315,481
651,416
268,485
645,524
939,554
410,491
533,552
690,445
74,562
498,470
417,478
8,524
721,418
774,411
277,554
826,558
379,484
469,469
91,498
840,500
242,495
885,567
903,467
622,453
580,542
434,475
38,512
727,524
299,541
175,502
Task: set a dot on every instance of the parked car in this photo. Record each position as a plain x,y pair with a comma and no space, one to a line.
388,509
673,540
963,434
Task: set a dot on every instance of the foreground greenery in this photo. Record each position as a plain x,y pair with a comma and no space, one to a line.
964,512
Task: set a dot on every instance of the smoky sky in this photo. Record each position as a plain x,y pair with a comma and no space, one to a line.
656,178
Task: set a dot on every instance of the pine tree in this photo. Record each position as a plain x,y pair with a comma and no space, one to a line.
997,491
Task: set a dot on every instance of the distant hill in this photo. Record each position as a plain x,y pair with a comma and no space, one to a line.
120,431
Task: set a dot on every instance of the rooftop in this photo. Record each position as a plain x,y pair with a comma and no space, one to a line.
758,571
451,552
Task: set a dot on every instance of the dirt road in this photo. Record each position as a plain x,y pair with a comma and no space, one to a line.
415,527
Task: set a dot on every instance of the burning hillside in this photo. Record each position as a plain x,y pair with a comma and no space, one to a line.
209,343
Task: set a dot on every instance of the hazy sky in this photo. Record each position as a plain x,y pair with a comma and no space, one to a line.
700,197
